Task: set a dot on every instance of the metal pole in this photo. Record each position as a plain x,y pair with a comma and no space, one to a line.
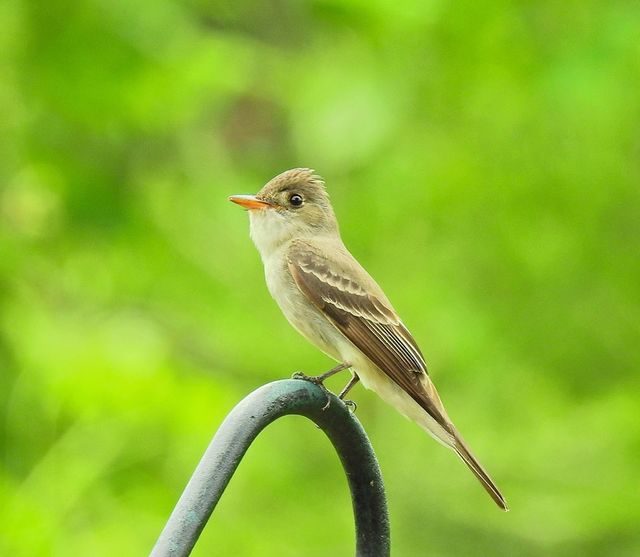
243,424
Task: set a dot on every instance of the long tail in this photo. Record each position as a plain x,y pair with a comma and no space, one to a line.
479,472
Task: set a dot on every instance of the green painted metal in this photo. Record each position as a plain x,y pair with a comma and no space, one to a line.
243,424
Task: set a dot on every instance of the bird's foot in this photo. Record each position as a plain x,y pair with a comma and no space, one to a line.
319,380
351,405
316,380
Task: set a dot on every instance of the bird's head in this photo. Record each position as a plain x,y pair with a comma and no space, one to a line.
294,204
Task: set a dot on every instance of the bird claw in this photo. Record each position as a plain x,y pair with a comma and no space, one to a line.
316,381
305,377
351,405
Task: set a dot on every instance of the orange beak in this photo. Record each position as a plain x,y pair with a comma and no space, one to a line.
250,202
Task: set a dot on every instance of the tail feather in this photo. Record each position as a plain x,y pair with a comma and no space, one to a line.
480,473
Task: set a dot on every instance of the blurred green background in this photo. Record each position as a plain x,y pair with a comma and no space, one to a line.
484,161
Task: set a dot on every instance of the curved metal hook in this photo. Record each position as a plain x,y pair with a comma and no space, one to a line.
243,424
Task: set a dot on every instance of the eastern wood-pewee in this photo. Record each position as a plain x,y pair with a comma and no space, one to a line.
333,302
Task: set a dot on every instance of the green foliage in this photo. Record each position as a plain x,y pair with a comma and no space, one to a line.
483,160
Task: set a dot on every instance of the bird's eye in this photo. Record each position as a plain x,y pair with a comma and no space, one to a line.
295,199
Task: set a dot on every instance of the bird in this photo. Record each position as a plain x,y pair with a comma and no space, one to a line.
332,301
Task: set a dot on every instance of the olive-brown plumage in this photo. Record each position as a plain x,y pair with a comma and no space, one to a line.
332,301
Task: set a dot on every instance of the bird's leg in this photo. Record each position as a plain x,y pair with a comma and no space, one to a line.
320,379
352,382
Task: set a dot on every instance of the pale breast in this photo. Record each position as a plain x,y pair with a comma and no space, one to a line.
298,310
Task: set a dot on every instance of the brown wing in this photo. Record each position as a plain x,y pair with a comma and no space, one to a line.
365,319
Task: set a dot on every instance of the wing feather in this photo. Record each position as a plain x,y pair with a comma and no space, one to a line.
366,319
